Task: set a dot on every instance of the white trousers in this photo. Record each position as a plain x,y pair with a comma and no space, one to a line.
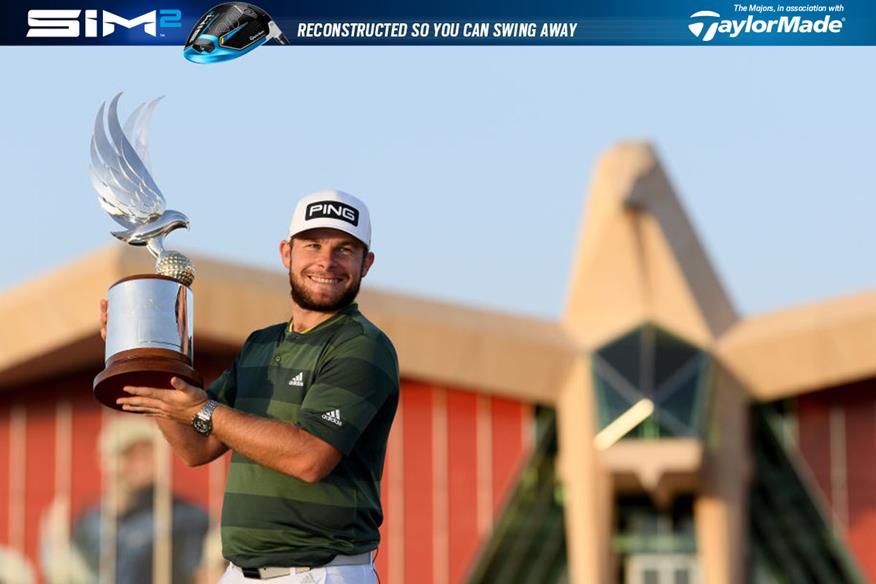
361,574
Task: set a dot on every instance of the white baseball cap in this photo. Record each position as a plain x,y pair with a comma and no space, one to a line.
122,432
333,209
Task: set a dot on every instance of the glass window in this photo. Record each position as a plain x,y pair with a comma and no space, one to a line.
652,364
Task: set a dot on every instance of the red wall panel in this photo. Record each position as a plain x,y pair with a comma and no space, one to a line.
509,417
40,471
814,430
860,415
85,482
416,401
4,471
382,560
857,401
462,481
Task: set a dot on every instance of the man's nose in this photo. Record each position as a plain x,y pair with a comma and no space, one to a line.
327,256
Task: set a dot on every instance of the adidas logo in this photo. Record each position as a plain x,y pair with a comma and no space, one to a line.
334,417
298,380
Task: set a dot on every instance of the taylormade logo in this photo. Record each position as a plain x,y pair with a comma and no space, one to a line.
706,24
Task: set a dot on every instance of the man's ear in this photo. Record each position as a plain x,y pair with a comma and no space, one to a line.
286,253
367,262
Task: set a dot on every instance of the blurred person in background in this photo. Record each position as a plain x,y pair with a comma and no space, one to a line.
127,448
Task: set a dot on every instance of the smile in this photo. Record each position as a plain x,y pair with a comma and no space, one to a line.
320,280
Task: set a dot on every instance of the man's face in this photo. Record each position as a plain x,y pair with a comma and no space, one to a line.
136,465
326,267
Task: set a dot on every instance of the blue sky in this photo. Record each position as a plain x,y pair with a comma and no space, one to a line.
475,161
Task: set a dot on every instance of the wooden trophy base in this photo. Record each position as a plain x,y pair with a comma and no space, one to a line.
141,367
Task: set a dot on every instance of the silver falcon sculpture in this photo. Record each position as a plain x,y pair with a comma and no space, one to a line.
121,174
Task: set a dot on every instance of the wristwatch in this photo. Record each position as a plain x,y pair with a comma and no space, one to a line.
203,420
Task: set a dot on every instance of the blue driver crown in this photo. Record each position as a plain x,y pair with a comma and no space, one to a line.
230,30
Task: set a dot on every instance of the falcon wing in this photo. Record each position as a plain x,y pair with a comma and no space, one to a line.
138,131
124,185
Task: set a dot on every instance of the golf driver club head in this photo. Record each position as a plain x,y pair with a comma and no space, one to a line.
230,30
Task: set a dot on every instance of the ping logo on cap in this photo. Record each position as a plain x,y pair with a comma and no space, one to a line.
332,210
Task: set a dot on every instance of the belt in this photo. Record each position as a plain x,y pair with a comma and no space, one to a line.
268,573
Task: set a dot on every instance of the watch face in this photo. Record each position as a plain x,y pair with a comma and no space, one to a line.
202,426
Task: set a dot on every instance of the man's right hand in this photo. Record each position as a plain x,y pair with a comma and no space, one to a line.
103,305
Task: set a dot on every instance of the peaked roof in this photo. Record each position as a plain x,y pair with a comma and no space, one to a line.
639,259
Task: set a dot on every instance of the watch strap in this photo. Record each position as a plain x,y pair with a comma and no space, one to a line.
205,416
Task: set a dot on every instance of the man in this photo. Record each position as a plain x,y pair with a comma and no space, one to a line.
306,409
127,457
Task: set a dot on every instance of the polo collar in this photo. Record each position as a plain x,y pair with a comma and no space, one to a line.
350,310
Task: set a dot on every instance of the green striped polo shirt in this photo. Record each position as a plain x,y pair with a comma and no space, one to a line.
340,382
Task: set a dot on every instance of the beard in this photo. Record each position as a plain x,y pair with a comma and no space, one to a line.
305,300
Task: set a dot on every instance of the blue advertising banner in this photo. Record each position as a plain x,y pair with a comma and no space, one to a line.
553,22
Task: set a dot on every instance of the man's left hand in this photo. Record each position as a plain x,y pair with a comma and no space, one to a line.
179,404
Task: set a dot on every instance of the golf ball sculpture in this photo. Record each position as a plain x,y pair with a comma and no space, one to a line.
177,266
149,316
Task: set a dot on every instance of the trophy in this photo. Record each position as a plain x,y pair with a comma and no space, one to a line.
149,316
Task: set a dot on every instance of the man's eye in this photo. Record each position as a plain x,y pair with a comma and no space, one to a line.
346,250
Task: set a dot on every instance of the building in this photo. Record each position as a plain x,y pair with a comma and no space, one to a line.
652,435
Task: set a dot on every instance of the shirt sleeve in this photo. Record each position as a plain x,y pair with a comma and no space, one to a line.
349,388
224,388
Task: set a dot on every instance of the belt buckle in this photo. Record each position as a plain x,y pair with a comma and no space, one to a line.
251,573
269,573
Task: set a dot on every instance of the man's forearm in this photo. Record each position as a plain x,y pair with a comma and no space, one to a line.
190,446
277,445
